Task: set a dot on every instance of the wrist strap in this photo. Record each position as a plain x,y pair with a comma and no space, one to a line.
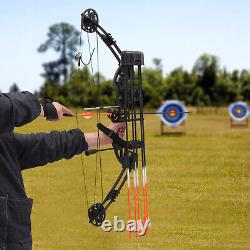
49,110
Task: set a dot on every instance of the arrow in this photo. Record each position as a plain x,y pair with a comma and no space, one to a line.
88,115
170,112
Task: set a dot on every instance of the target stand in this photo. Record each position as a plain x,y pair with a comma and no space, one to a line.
239,113
234,123
173,114
176,131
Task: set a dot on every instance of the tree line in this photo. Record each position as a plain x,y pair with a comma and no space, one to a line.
206,84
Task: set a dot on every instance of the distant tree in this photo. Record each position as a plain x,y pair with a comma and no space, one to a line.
245,84
179,85
52,72
224,91
49,91
198,97
158,64
153,82
80,89
206,84
235,76
14,88
63,39
206,68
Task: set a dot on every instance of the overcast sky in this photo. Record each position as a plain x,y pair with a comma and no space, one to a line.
175,31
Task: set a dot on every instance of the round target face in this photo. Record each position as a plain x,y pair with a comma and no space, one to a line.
173,113
239,111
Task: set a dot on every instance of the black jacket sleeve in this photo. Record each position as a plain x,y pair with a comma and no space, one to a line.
17,109
41,148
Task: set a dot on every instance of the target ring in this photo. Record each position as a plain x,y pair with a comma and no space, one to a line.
173,113
239,111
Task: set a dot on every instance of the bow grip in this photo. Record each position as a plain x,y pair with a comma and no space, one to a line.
111,134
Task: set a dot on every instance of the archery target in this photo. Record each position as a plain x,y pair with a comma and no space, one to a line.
173,113
239,111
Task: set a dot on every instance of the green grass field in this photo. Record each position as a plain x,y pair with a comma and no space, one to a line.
199,190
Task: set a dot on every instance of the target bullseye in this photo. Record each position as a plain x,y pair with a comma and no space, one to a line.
239,112
172,113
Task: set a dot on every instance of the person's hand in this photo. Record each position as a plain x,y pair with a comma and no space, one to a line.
118,128
62,110
54,111
91,138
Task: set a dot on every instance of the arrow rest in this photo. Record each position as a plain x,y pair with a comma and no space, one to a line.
118,115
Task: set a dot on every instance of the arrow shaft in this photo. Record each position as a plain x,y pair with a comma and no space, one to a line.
89,114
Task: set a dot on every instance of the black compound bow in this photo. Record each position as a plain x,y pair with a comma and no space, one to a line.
127,81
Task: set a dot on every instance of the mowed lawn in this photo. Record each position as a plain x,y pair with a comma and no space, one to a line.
199,190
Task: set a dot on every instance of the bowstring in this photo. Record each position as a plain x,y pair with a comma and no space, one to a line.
98,116
82,161
98,83
83,167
